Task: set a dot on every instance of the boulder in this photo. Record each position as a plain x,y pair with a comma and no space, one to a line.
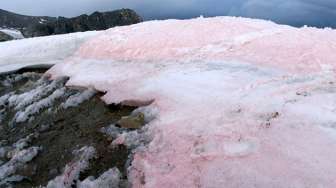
5,37
132,122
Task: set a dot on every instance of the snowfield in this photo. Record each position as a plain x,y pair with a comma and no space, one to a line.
237,102
40,51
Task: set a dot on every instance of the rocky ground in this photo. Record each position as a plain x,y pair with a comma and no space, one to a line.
53,135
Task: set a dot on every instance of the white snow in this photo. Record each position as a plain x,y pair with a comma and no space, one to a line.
13,33
43,88
77,99
136,139
109,179
237,102
26,155
40,50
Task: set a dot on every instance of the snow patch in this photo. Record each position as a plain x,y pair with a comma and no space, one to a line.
109,179
43,88
19,155
35,108
72,171
77,99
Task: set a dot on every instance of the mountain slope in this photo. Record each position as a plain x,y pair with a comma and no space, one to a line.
95,21
12,20
33,26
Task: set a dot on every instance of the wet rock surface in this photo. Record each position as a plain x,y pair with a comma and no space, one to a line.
54,135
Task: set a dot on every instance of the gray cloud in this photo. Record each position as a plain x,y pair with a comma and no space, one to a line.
295,12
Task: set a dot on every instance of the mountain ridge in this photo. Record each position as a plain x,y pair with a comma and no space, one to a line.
34,26
13,20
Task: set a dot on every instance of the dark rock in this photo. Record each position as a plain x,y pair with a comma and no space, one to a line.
5,37
33,26
95,21
53,173
44,128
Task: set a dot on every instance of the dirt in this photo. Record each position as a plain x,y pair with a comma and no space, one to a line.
60,131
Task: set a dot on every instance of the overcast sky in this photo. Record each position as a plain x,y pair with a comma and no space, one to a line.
295,12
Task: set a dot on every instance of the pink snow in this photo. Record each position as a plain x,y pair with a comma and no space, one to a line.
240,102
219,38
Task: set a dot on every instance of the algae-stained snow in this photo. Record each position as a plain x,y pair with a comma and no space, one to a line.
237,102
